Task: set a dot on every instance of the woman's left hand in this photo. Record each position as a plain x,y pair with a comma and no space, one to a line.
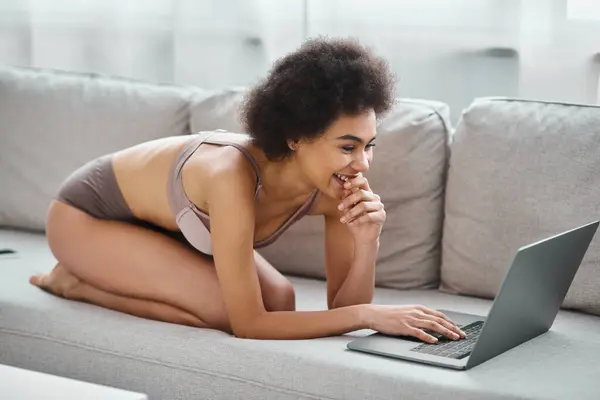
362,210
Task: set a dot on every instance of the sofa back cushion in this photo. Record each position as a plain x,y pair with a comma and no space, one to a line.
53,122
408,172
217,109
520,171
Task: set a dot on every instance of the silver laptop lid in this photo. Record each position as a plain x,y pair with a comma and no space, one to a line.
532,292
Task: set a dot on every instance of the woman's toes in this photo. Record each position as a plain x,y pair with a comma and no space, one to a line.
41,280
59,281
36,279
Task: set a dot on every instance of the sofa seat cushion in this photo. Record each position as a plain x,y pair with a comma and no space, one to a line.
520,171
166,361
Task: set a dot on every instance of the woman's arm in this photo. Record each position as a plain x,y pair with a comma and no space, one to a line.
349,265
351,245
231,209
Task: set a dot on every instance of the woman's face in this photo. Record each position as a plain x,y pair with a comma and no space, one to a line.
344,150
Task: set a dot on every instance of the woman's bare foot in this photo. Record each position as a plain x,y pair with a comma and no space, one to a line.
59,281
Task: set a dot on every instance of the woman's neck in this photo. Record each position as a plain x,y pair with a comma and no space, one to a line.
283,181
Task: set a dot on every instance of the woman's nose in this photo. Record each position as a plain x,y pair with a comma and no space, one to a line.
361,163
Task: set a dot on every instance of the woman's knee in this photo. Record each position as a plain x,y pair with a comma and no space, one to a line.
280,297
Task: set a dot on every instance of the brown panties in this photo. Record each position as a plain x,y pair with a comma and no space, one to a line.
93,188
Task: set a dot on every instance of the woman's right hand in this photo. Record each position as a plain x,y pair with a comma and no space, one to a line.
410,320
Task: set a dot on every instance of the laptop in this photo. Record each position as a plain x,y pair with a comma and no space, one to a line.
525,307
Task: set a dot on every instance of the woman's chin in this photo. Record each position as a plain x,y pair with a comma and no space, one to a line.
335,189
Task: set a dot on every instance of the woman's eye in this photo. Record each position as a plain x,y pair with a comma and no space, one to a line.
350,149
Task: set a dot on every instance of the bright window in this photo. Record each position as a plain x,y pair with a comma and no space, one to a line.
583,9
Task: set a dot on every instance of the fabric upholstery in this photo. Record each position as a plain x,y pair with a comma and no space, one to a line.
41,332
216,109
520,171
53,122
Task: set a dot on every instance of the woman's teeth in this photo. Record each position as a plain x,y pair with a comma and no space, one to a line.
342,177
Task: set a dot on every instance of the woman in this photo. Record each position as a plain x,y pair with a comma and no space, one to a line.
167,229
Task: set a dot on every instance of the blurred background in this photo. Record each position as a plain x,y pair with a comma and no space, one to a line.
448,50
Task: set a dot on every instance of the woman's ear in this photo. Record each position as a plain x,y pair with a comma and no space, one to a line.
292,144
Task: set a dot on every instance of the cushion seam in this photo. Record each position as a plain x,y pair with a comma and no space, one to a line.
157,362
523,100
437,112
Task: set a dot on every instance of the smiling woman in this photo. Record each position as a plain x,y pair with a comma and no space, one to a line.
310,129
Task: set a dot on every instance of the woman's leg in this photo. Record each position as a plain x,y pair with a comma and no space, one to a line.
63,283
142,272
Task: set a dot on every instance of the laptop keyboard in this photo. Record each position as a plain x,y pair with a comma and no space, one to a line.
457,349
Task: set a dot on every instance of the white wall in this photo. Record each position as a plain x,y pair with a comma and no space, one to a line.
558,53
457,50
447,50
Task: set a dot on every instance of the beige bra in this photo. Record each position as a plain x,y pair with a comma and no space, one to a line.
195,223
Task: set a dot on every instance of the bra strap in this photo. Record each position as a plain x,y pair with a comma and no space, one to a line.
249,156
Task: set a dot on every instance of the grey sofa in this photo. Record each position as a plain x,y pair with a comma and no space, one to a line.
460,201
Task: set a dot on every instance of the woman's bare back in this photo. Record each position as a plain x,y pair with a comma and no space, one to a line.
142,172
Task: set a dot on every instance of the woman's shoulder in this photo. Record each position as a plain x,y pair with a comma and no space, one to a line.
223,157
223,170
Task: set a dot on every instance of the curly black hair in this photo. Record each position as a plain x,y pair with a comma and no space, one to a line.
308,89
